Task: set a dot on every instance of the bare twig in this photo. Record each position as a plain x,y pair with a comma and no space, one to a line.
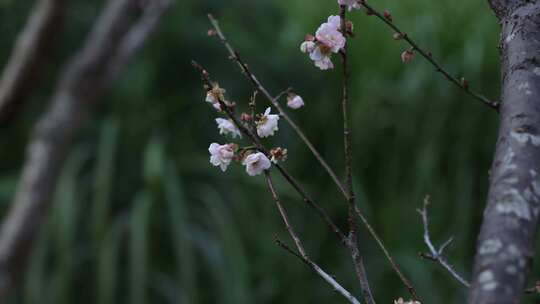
82,82
428,56
284,215
251,135
234,55
302,253
28,57
347,143
280,94
437,255
325,276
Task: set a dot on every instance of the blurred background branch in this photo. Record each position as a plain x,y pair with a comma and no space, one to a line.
83,81
29,57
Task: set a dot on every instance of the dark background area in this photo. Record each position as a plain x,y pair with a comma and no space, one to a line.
140,216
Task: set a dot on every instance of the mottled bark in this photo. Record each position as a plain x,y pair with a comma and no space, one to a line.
506,241
116,36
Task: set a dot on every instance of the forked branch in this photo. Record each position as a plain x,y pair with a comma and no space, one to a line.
437,255
235,56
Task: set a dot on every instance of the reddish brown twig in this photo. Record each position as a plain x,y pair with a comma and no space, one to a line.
428,56
347,144
234,55
251,135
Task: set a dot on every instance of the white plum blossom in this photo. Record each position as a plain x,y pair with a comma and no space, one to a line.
227,127
321,58
267,125
214,95
295,101
210,98
327,40
221,155
307,46
256,163
329,35
350,4
401,301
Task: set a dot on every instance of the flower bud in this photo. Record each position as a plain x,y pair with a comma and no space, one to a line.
278,154
245,117
464,83
398,36
407,56
387,15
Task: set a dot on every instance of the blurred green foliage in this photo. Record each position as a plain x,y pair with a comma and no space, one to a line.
140,216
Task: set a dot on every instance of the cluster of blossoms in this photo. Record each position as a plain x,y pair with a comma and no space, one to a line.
327,40
265,125
330,39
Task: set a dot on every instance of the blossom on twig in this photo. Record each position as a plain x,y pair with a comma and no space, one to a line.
267,124
350,4
256,163
278,154
295,101
328,39
221,155
214,95
227,127
401,301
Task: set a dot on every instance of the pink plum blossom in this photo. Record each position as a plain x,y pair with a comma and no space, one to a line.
295,101
351,4
221,155
227,127
256,163
329,35
407,56
267,125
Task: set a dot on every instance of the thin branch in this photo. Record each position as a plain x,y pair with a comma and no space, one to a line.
28,57
437,255
325,276
284,215
280,94
303,256
387,254
428,56
347,143
251,135
234,55
82,82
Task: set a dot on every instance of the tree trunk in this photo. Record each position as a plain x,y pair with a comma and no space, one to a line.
505,245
